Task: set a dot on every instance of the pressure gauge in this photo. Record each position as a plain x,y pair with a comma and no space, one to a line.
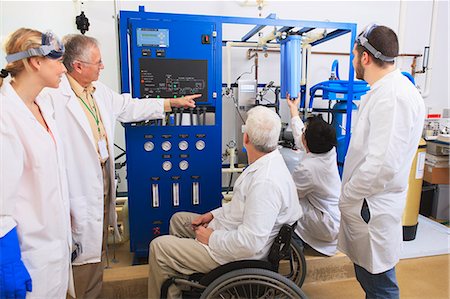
183,145
166,146
149,146
167,165
200,145
184,165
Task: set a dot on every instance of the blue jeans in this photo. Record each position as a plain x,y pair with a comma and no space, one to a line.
380,286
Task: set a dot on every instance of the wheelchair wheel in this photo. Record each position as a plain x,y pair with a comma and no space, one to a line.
294,267
252,283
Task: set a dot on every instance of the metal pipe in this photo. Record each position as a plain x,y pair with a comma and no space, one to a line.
240,44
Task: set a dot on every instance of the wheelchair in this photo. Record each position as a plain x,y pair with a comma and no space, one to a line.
251,278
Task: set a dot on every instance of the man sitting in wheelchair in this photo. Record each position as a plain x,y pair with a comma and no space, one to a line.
265,198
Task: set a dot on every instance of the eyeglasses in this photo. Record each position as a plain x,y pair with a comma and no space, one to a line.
92,63
51,47
363,41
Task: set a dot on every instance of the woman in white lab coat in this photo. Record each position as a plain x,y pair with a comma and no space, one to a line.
317,180
35,236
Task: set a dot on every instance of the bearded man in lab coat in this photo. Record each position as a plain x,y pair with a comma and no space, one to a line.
264,199
86,112
384,140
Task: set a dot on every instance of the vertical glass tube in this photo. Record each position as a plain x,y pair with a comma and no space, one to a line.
176,194
155,196
195,193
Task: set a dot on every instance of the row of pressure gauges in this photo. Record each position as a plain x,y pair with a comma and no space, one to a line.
167,145
167,165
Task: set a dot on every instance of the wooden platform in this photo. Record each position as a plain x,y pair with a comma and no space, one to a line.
327,277
122,281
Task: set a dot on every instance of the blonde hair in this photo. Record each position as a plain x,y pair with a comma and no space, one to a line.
18,41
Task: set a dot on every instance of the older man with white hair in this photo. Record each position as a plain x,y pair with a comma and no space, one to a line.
264,199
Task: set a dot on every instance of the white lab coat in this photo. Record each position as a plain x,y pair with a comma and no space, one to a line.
319,187
384,140
83,167
34,196
264,199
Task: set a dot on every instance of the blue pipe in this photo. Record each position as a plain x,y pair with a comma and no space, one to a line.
335,68
303,96
359,87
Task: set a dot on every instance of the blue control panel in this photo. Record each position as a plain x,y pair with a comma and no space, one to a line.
173,164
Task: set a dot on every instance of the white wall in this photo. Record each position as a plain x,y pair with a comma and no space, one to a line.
60,17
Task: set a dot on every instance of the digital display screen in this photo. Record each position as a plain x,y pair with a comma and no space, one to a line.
172,78
152,37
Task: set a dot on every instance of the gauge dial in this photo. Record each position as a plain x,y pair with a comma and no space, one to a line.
149,146
166,146
183,145
167,165
200,145
184,165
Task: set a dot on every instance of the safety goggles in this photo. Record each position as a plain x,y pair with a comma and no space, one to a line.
362,40
51,48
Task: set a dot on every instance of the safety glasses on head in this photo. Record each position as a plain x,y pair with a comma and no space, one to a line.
51,48
362,40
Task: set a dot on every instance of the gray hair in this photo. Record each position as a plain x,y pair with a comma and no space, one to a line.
77,47
263,128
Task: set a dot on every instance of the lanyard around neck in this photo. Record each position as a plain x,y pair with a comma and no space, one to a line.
94,115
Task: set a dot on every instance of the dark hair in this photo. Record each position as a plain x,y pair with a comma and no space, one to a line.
320,136
383,39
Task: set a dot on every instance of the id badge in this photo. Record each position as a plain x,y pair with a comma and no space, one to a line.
103,149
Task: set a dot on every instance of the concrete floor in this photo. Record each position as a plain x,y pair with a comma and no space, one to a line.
426,277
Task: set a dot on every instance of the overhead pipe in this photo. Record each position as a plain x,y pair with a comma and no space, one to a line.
262,41
431,43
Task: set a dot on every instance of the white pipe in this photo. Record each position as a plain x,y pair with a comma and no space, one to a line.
228,64
265,39
240,44
233,170
312,37
116,20
305,52
401,26
429,70
232,153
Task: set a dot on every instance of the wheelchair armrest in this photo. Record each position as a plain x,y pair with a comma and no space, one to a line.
280,248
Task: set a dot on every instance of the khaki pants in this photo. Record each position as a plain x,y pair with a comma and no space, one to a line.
178,254
88,278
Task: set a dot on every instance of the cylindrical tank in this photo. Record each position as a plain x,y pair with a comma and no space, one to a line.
411,212
291,157
338,123
291,58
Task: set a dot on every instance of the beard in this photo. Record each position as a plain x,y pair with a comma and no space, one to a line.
359,70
